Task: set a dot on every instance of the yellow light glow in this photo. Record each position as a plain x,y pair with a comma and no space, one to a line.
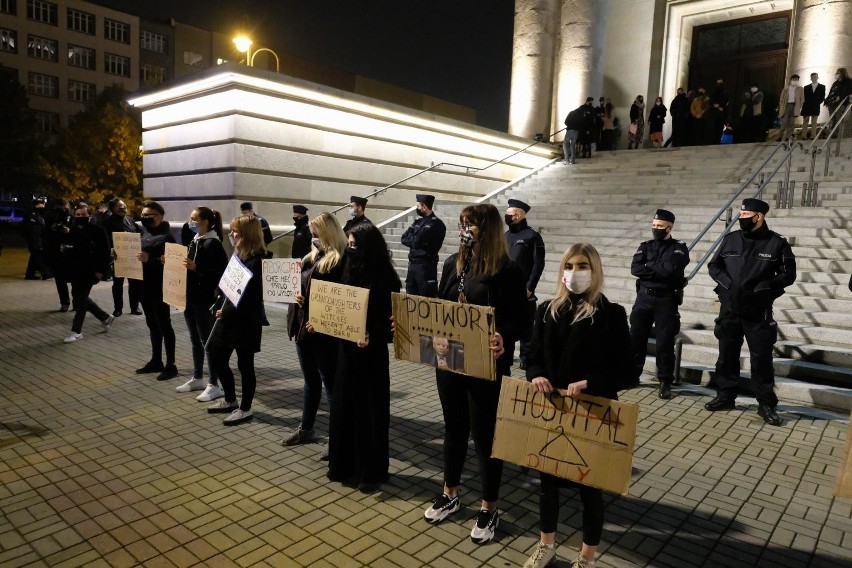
242,43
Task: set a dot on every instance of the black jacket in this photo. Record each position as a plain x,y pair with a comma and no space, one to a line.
86,252
526,248
425,237
576,118
505,292
751,271
839,90
301,240
210,262
116,224
382,280
679,107
154,243
659,264
657,117
354,222
241,327
34,228
813,99
595,349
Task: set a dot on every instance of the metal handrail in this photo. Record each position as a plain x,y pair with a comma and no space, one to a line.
763,183
468,169
843,104
810,191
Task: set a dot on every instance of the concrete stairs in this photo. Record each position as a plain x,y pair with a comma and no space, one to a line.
609,201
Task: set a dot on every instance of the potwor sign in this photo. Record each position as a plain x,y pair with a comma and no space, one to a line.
174,276
126,247
339,310
443,334
282,278
583,438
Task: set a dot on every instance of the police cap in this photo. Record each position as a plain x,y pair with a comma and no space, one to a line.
755,205
519,204
664,215
301,209
360,201
427,200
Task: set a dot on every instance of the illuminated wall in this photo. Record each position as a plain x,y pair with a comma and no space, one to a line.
235,133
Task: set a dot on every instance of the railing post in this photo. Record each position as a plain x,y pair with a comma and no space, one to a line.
814,192
778,198
678,356
729,215
791,192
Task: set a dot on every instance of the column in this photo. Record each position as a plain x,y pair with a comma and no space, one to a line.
532,67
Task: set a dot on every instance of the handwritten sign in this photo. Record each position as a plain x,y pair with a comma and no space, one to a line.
844,476
127,246
235,279
282,278
174,276
583,438
339,310
443,334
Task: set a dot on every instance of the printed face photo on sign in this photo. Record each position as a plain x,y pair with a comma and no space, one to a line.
442,353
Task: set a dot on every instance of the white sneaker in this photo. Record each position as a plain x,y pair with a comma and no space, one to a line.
237,417
212,392
485,526
107,322
542,556
441,508
191,385
73,337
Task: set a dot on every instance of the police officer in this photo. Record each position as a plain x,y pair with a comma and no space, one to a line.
35,227
526,248
424,237
751,268
247,208
356,212
302,234
658,265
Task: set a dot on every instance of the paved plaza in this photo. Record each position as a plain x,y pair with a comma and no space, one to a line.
102,467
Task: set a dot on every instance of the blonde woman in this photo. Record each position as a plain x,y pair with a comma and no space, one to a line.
580,344
239,328
317,352
480,273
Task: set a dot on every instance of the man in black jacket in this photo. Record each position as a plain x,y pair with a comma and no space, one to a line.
247,209
526,248
814,97
751,268
424,237
573,125
120,222
34,228
86,256
302,233
357,205
658,266
679,109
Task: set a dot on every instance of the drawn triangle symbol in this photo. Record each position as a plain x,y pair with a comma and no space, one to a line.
560,448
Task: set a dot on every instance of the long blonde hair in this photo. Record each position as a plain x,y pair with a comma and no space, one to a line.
332,242
251,237
490,251
588,302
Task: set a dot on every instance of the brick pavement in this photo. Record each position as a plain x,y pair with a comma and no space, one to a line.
101,467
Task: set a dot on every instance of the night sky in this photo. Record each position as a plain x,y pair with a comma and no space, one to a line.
457,50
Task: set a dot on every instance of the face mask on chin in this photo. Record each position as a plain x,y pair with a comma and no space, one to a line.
577,281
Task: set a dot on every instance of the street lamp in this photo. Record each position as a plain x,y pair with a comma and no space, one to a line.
244,44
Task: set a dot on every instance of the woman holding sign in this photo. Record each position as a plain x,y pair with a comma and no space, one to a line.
358,434
480,273
580,344
240,327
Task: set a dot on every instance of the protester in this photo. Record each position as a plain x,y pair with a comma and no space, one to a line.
581,345
636,132
698,110
840,89
479,273
120,222
58,223
751,115
240,327
679,110
607,128
205,263
656,118
358,434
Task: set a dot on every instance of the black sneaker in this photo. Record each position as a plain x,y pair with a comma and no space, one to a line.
151,367
136,312
720,403
169,372
769,415
443,507
116,314
485,525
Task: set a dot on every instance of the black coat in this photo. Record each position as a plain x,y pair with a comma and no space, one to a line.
298,316
86,252
241,327
424,237
813,99
210,262
116,224
154,243
301,240
526,248
657,117
679,107
595,349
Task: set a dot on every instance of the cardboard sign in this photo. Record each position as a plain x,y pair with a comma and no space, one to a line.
235,279
174,276
583,438
844,475
339,310
443,334
127,246
282,279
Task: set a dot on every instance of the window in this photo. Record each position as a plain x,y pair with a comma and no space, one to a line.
42,48
116,31
9,7
81,92
81,21
43,85
41,11
152,74
116,65
48,122
192,58
8,40
81,57
153,42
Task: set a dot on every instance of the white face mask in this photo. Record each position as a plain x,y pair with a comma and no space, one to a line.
577,282
794,82
754,89
351,211
233,239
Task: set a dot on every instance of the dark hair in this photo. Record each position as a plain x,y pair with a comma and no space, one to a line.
794,76
374,254
113,203
213,218
490,251
155,206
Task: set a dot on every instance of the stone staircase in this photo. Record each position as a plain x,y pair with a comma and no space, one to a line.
609,201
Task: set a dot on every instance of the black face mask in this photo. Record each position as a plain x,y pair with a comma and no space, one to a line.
147,222
299,221
747,223
659,234
420,213
509,219
81,221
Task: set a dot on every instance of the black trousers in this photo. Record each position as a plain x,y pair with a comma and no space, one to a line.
37,264
422,279
678,138
220,357
593,507
470,407
60,278
80,291
761,333
662,313
525,341
134,291
159,322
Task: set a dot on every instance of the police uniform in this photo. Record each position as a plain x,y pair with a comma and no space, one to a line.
751,269
424,237
301,235
264,224
526,247
658,266
355,221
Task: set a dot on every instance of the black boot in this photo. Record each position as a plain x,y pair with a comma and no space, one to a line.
721,402
768,414
665,390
